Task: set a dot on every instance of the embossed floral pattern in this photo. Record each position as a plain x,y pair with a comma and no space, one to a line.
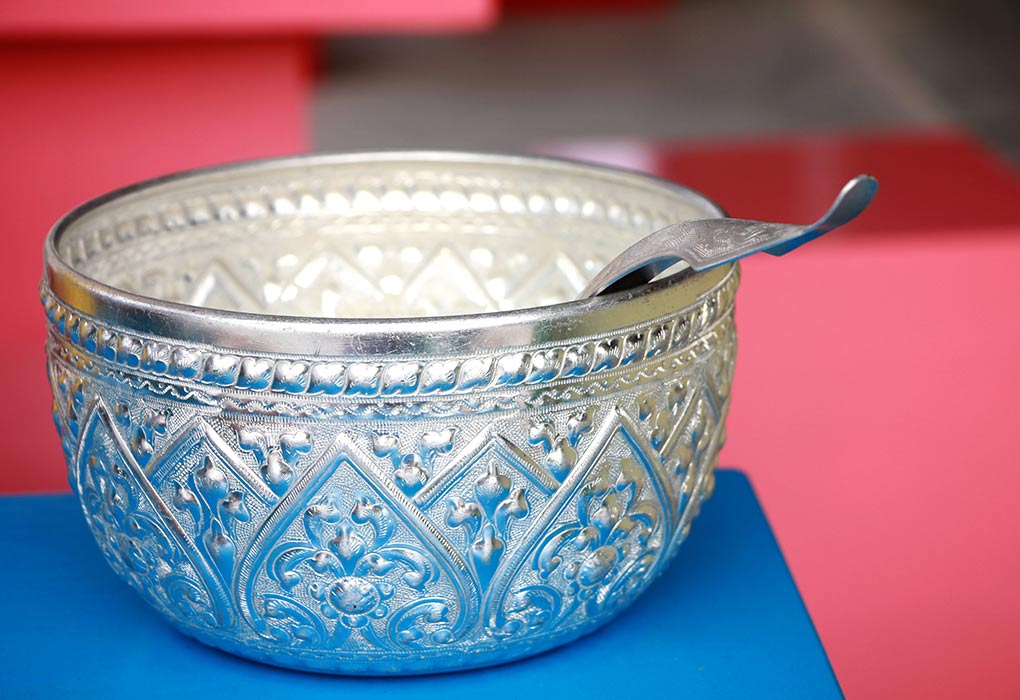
661,420
337,507
215,509
138,546
332,534
593,564
144,431
487,519
68,404
412,470
351,567
615,525
560,450
277,458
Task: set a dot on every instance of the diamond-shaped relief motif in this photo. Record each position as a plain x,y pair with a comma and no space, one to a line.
663,413
486,518
336,275
352,552
190,445
618,484
695,467
595,546
216,286
216,499
142,542
216,509
486,496
472,461
346,560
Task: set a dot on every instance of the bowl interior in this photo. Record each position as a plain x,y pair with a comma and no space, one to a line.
383,235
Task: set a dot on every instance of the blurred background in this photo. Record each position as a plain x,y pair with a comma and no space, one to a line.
694,69
874,403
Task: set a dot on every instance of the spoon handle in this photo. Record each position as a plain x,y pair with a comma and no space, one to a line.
706,243
854,198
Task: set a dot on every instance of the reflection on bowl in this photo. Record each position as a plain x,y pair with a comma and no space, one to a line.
338,413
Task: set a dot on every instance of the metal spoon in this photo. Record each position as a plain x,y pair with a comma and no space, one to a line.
706,243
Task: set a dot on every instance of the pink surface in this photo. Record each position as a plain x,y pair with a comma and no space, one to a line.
875,408
82,119
131,18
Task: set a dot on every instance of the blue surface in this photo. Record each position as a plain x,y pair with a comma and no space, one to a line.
725,621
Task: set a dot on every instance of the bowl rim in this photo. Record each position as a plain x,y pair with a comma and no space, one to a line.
304,335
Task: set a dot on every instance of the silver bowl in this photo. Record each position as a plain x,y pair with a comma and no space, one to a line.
339,413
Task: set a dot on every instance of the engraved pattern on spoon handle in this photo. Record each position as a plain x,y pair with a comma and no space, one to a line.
731,239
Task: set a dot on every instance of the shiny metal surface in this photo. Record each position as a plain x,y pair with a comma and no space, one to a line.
703,244
338,413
